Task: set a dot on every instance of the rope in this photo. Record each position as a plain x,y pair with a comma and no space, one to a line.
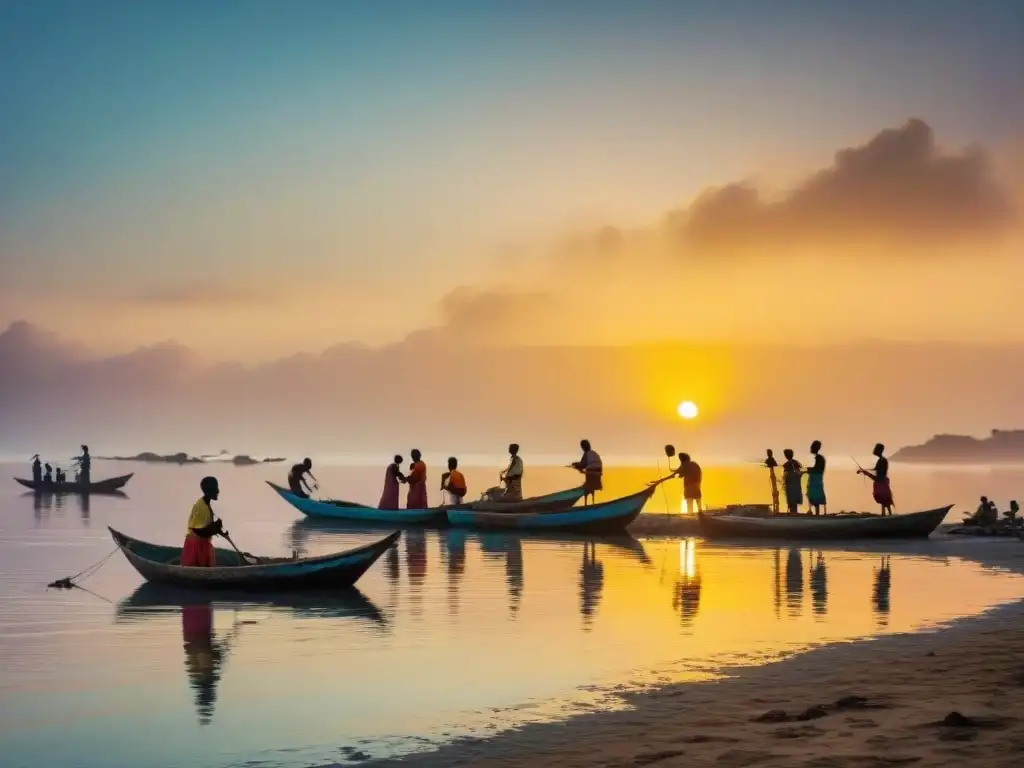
68,582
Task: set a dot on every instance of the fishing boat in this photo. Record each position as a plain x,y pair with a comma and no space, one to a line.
608,517
823,527
162,565
110,485
155,600
350,510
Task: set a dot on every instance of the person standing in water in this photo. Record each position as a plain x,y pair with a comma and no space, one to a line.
791,473
198,551
592,468
392,477
816,480
454,482
880,490
417,480
771,464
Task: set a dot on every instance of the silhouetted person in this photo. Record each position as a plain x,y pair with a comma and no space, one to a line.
454,482
512,476
771,464
48,475
297,479
1012,512
37,470
880,490
58,475
84,463
416,498
986,513
692,476
393,477
198,551
816,480
791,473
592,469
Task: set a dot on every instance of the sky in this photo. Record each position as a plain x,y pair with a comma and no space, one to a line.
246,181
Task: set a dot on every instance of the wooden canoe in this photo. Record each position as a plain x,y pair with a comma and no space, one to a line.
349,510
161,565
154,600
608,517
110,485
823,527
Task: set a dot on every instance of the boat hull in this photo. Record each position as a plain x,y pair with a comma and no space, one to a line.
434,516
916,525
608,517
160,565
346,510
110,485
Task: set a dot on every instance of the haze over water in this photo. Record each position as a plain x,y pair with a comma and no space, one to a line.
455,632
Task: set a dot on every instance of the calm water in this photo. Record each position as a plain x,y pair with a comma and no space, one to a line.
453,633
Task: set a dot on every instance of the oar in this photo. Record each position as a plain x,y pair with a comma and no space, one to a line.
670,451
243,556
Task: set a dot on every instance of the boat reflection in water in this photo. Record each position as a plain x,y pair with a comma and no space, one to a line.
205,653
44,504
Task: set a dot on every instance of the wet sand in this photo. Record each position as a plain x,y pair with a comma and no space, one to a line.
882,702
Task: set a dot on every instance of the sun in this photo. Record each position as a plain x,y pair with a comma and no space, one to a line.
687,409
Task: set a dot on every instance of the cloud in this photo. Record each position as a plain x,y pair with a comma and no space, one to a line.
195,294
896,187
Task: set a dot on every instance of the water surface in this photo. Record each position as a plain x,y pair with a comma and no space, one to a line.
451,633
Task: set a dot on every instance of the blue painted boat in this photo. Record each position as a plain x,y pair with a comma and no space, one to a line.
162,565
608,517
350,510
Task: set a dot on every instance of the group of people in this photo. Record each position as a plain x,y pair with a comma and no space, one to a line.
44,474
987,513
793,472
453,482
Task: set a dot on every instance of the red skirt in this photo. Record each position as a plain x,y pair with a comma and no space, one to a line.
882,492
198,552
417,496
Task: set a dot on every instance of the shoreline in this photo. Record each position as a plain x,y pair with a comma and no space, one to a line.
903,685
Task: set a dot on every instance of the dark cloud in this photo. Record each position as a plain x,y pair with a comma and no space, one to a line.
897,187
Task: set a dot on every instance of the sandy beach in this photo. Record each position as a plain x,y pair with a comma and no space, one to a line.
954,696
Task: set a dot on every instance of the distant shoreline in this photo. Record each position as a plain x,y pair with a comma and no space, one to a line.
1000,447
146,457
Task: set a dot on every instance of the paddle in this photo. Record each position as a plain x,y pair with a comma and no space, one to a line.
245,557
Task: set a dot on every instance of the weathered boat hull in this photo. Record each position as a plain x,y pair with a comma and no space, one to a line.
823,528
608,517
160,565
110,485
434,516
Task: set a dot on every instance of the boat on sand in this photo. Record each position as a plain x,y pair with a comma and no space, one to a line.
823,527
162,565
